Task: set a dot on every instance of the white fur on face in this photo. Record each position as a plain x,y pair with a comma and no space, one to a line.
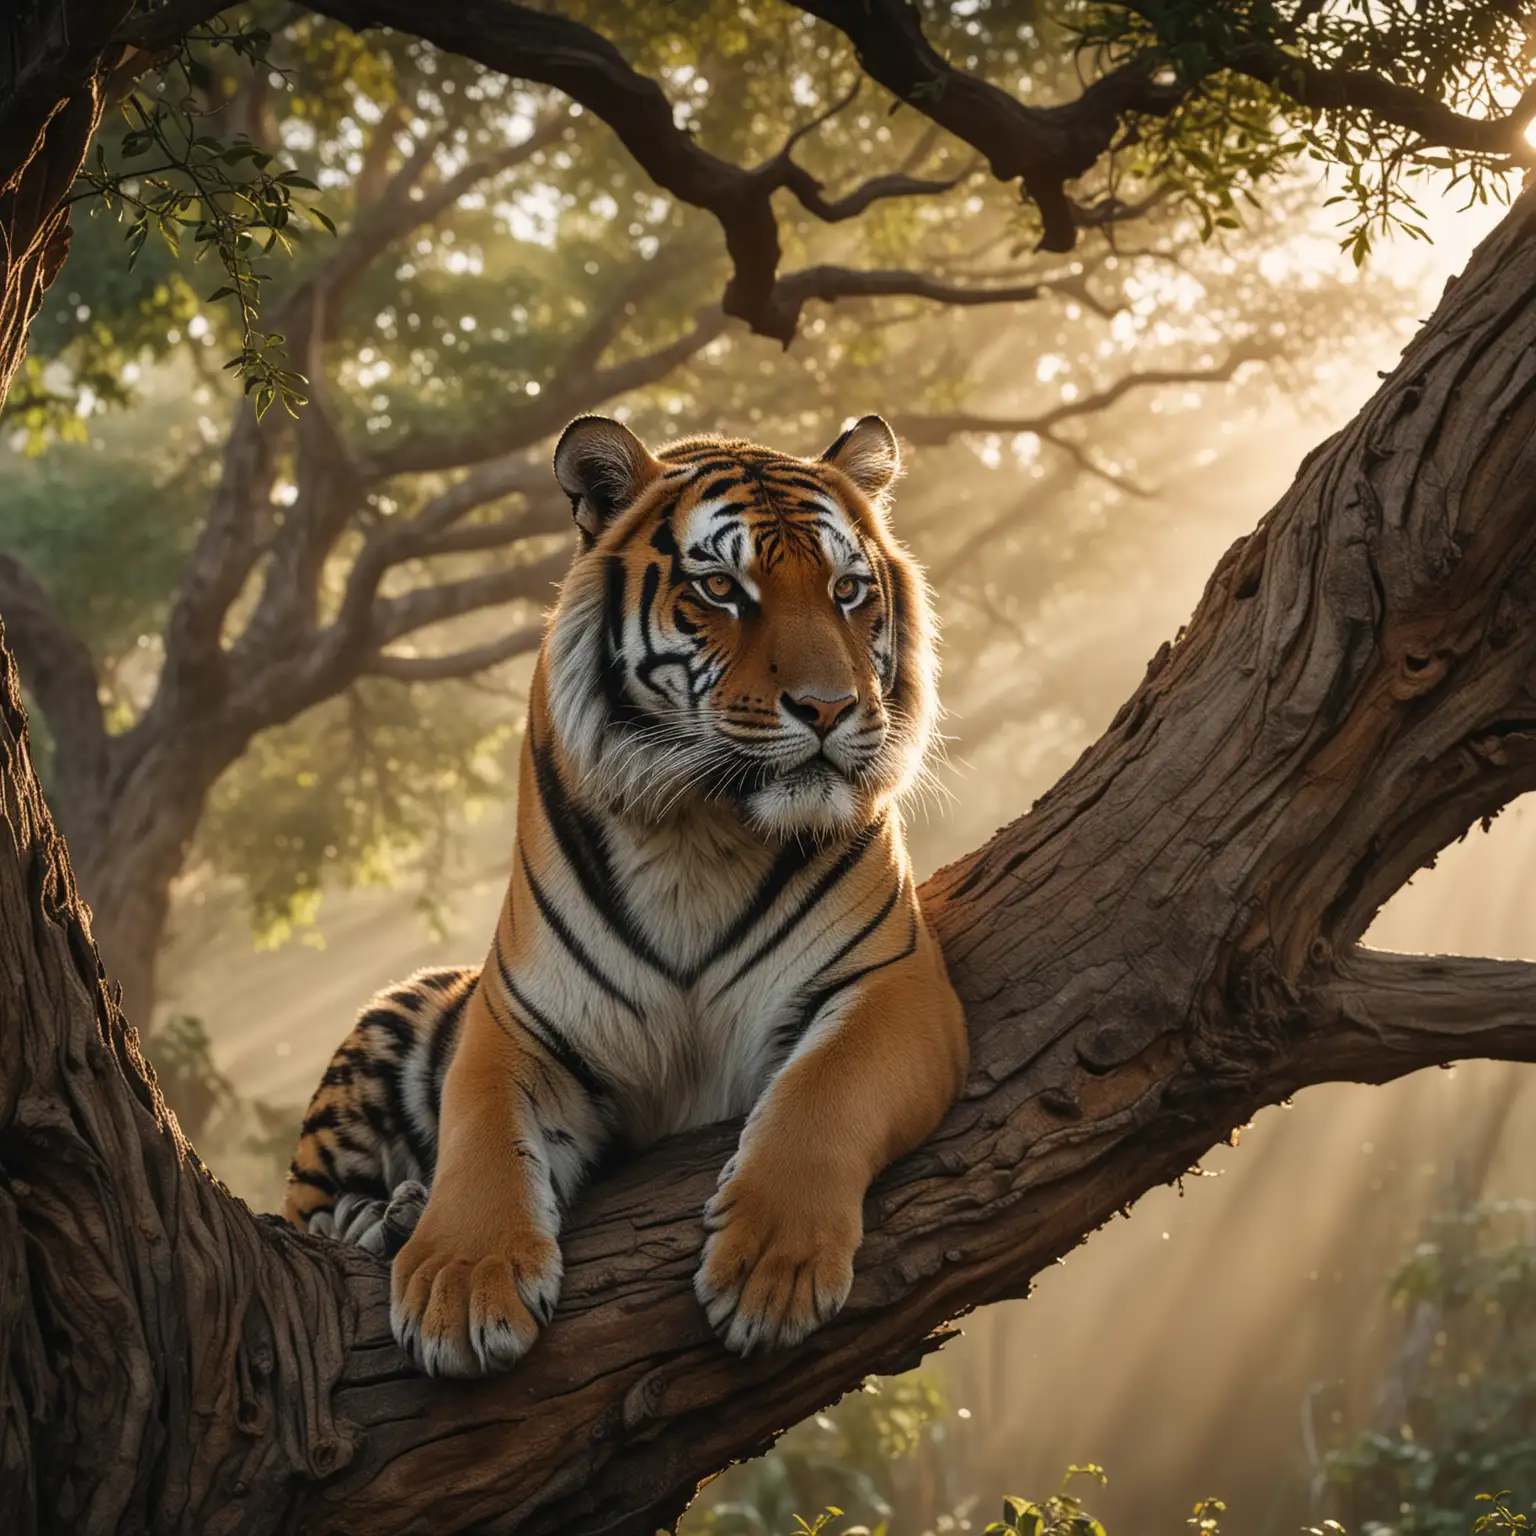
812,802
678,750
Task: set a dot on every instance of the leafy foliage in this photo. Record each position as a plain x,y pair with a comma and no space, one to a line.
1254,100
225,194
1062,1514
854,1454
1471,1421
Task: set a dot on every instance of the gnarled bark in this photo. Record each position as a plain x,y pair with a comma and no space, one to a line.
1164,944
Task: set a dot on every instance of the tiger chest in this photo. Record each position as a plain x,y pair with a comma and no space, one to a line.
703,1045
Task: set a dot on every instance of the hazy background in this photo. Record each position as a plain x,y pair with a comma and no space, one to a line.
1185,1348
1231,1331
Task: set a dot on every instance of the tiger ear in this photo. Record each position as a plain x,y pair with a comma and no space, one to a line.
602,466
868,454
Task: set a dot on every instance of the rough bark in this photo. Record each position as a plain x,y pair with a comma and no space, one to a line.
1164,944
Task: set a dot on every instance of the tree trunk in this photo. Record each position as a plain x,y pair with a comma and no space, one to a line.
1165,944
139,847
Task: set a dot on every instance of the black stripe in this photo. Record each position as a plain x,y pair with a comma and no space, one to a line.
852,944
580,837
721,485
899,639
549,1034
405,1127
847,861
791,861
347,1142
379,1121
400,1031
312,1180
573,946
444,1034
621,710
790,1034
326,1119
663,510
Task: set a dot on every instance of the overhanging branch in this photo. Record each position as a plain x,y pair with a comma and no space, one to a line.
521,641
934,430
562,53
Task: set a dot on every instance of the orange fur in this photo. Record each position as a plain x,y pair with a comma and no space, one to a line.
710,912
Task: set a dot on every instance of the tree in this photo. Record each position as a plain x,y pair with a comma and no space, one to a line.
1166,942
403,531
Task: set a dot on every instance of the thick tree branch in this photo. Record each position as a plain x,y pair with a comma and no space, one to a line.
831,284
1380,1010
561,52
1042,147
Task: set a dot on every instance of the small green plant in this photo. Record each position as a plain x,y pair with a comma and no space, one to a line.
820,1523
1207,1517
1501,1517
1062,1514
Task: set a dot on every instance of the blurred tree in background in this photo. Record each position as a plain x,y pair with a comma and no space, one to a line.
284,652
342,573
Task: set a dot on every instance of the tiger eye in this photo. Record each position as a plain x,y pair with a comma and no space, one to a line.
719,586
846,589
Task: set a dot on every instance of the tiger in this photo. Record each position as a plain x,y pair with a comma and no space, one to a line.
711,913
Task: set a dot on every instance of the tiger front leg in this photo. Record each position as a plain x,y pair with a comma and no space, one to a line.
872,1078
481,1273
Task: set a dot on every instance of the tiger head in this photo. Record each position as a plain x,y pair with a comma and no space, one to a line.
740,625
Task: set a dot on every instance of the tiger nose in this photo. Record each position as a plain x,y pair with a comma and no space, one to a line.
818,713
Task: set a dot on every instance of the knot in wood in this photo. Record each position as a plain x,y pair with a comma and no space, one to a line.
1059,1099
643,1400
1114,1043
1258,1018
327,1454
1418,674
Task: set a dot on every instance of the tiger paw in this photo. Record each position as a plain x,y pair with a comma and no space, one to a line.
775,1267
458,1310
